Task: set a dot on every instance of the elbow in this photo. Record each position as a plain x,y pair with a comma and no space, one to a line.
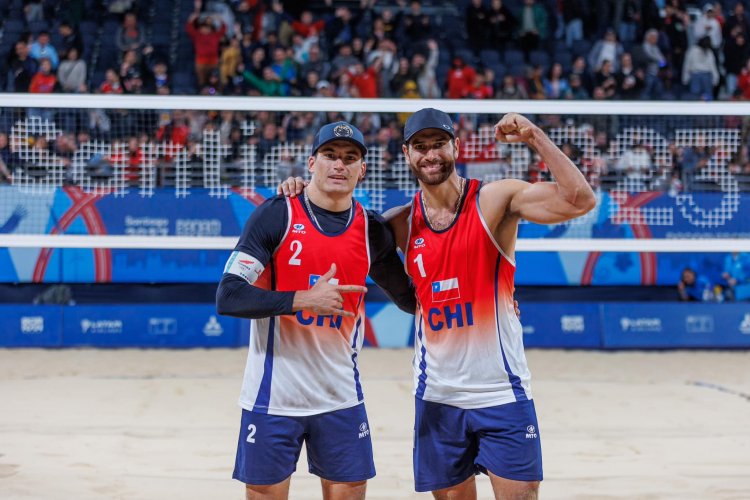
585,200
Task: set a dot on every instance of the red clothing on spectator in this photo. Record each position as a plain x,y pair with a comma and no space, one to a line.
481,92
459,81
206,45
743,82
307,29
42,84
366,82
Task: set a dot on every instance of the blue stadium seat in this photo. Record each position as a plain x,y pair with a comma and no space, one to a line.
581,48
500,71
467,55
488,57
512,57
13,27
88,28
539,57
35,27
564,57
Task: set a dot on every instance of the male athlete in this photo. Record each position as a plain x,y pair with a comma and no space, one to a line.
299,272
474,408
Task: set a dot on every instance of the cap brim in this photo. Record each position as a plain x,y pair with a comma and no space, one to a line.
449,132
347,139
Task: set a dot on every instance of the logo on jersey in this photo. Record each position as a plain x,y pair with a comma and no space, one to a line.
298,229
315,277
445,290
343,131
364,431
531,432
419,243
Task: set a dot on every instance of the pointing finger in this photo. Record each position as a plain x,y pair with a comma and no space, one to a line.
351,288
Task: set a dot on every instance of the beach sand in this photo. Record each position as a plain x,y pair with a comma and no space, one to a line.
163,424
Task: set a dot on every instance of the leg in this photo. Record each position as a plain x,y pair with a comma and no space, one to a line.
333,490
508,489
278,491
464,491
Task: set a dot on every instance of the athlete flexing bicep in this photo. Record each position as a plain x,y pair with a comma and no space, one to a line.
503,203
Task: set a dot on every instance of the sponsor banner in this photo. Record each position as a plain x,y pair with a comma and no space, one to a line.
574,325
675,325
30,326
137,325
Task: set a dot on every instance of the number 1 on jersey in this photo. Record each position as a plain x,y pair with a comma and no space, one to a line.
420,265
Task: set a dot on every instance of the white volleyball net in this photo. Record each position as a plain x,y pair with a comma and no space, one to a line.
679,170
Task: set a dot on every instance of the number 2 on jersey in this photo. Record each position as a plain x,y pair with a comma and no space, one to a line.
295,247
420,265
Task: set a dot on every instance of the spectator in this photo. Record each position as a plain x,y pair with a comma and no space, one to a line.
268,85
708,25
425,71
366,80
574,12
111,83
342,61
630,81
502,24
69,39
556,86
477,25
341,27
609,49
315,63
307,26
206,39
651,57
416,25
510,89
386,53
577,90
676,26
22,68
737,22
693,287
6,175
535,82
403,75
285,70
72,73
33,10
45,80
460,78
130,35
579,68
736,274
743,82
635,162
532,26
479,89
230,59
700,71
43,49
159,78
736,53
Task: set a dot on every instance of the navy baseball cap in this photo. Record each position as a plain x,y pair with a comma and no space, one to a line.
428,118
339,131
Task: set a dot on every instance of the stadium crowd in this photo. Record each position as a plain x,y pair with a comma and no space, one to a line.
520,49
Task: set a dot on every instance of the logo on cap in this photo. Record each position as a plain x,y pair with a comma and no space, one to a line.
343,131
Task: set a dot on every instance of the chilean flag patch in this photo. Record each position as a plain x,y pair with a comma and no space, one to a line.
445,290
315,277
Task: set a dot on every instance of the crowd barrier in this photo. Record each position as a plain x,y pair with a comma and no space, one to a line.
545,325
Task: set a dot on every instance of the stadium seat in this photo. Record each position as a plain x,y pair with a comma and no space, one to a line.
564,57
36,27
539,57
488,57
467,56
581,48
513,57
13,27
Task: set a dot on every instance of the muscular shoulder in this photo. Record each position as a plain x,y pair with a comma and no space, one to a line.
398,220
495,197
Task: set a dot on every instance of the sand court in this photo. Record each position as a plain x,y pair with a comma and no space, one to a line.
158,424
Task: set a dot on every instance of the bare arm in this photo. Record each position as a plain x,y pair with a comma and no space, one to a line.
543,202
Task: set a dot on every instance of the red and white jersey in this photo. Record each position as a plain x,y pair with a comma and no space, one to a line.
468,341
304,363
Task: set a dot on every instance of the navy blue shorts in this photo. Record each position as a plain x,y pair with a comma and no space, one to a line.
339,447
451,444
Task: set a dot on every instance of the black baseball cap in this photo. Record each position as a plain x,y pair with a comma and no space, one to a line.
339,131
428,118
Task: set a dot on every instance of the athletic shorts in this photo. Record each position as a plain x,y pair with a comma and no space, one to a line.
451,444
338,444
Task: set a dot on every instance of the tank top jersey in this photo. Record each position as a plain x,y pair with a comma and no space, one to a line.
468,340
304,363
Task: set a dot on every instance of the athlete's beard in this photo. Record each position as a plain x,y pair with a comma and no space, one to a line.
434,179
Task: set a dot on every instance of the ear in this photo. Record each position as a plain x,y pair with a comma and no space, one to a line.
457,143
405,150
362,172
311,164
